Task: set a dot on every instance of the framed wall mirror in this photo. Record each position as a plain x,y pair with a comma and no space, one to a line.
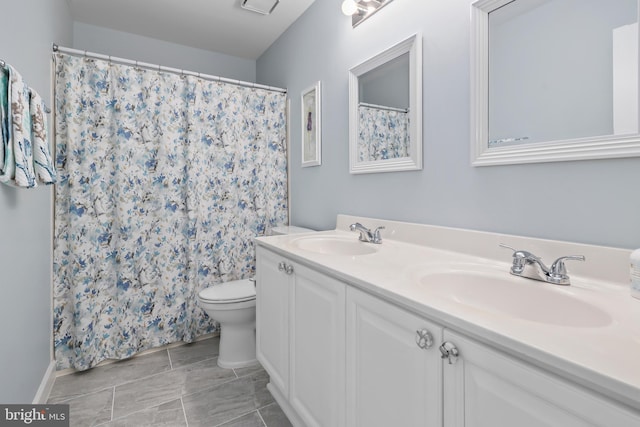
554,80
385,110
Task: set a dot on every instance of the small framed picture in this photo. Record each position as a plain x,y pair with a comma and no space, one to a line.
311,126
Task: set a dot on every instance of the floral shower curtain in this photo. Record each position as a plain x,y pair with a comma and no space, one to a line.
163,182
383,134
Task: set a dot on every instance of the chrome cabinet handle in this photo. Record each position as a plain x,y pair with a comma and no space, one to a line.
287,268
449,351
424,339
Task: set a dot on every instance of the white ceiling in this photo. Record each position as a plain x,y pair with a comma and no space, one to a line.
215,25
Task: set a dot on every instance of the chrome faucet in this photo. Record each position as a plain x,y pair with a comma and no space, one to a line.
526,264
366,235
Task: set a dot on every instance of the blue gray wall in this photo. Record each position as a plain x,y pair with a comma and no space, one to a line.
588,201
29,27
145,49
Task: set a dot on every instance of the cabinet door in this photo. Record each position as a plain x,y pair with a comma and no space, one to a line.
272,318
486,388
317,348
390,380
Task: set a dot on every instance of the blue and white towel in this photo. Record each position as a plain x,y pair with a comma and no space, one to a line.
6,152
42,163
24,151
20,120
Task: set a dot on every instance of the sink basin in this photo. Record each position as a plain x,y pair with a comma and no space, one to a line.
333,245
515,297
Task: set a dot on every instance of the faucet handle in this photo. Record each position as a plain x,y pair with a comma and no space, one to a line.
357,226
515,251
558,271
376,234
520,258
518,252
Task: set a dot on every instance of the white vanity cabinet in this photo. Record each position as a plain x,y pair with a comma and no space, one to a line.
350,354
273,287
394,370
487,388
301,338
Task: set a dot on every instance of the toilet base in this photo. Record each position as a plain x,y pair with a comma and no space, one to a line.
235,365
237,346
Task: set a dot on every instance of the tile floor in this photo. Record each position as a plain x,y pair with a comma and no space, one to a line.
179,386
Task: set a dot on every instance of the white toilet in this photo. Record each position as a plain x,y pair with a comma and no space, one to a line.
233,306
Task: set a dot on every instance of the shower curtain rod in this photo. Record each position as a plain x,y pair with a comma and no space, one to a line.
383,107
148,66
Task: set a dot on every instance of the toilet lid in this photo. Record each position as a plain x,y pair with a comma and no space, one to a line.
234,291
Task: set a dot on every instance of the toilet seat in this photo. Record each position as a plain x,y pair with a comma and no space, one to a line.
229,292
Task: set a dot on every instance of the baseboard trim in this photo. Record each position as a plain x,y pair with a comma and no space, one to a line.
294,419
46,385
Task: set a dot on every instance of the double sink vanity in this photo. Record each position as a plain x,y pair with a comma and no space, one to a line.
430,328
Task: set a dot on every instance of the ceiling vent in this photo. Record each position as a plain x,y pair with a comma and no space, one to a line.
264,7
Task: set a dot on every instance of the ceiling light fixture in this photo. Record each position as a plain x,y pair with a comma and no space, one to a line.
264,7
349,7
359,10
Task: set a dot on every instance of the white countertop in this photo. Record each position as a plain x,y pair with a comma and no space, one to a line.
605,358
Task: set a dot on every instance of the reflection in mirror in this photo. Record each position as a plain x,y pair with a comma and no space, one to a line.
554,80
383,111
385,97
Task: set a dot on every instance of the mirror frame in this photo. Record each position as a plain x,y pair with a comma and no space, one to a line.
413,46
598,147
